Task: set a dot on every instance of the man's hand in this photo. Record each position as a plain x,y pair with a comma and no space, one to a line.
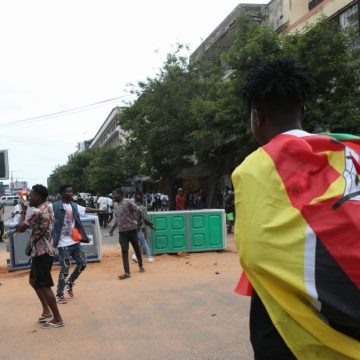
111,232
24,205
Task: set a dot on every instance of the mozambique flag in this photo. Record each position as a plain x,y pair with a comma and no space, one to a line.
298,234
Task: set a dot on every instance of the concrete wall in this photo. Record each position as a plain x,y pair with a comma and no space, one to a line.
278,14
302,16
220,39
298,9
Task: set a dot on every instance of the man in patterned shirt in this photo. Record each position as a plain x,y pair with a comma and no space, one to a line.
41,220
127,215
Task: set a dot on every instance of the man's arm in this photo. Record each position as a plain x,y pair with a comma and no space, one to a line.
23,226
111,232
149,223
92,210
146,218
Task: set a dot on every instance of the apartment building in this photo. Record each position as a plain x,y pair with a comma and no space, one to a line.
293,15
110,133
282,16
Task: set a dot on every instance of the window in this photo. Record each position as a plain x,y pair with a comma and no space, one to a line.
313,3
349,20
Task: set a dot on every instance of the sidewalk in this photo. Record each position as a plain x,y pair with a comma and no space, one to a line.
181,308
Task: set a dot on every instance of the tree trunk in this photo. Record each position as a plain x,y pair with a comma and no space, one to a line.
216,171
172,192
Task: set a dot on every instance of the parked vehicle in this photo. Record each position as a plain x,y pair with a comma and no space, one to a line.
9,199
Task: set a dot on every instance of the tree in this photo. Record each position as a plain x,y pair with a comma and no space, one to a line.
74,172
189,113
97,169
160,120
220,116
108,169
328,54
324,50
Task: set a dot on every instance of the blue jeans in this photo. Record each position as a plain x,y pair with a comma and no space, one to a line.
76,252
143,243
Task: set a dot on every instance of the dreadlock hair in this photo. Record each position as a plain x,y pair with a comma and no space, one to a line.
41,190
279,86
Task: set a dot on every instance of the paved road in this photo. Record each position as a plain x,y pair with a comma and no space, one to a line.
182,308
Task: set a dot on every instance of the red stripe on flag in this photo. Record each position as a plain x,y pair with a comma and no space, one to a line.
323,143
307,175
244,286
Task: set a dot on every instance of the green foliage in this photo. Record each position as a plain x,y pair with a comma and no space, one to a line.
253,44
99,170
192,110
190,113
73,173
326,52
323,50
160,119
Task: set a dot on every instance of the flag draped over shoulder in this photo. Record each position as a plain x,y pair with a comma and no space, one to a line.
298,233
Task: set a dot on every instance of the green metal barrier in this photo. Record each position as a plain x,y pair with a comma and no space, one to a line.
188,231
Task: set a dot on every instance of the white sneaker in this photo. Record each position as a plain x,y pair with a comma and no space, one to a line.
150,259
134,258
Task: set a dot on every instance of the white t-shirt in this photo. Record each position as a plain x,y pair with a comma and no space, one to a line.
111,204
16,218
69,223
104,203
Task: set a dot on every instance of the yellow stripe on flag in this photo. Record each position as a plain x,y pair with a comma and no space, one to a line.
270,235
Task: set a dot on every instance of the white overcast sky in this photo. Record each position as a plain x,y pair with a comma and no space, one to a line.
57,55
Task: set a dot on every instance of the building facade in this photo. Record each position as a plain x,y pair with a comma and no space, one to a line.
18,185
220,39
303,12
282,16
110,134
82,146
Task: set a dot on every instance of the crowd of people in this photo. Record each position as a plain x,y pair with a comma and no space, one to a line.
56,224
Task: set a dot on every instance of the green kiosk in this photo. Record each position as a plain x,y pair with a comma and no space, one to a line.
188,231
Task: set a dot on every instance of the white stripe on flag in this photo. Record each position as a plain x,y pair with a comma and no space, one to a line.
309,266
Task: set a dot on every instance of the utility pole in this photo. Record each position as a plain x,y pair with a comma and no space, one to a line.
12,180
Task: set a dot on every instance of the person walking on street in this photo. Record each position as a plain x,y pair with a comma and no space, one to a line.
127,215
66,239
110,214
230,211
144,220
41,220
104,205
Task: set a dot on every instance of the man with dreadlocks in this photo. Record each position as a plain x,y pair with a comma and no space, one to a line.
297,236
